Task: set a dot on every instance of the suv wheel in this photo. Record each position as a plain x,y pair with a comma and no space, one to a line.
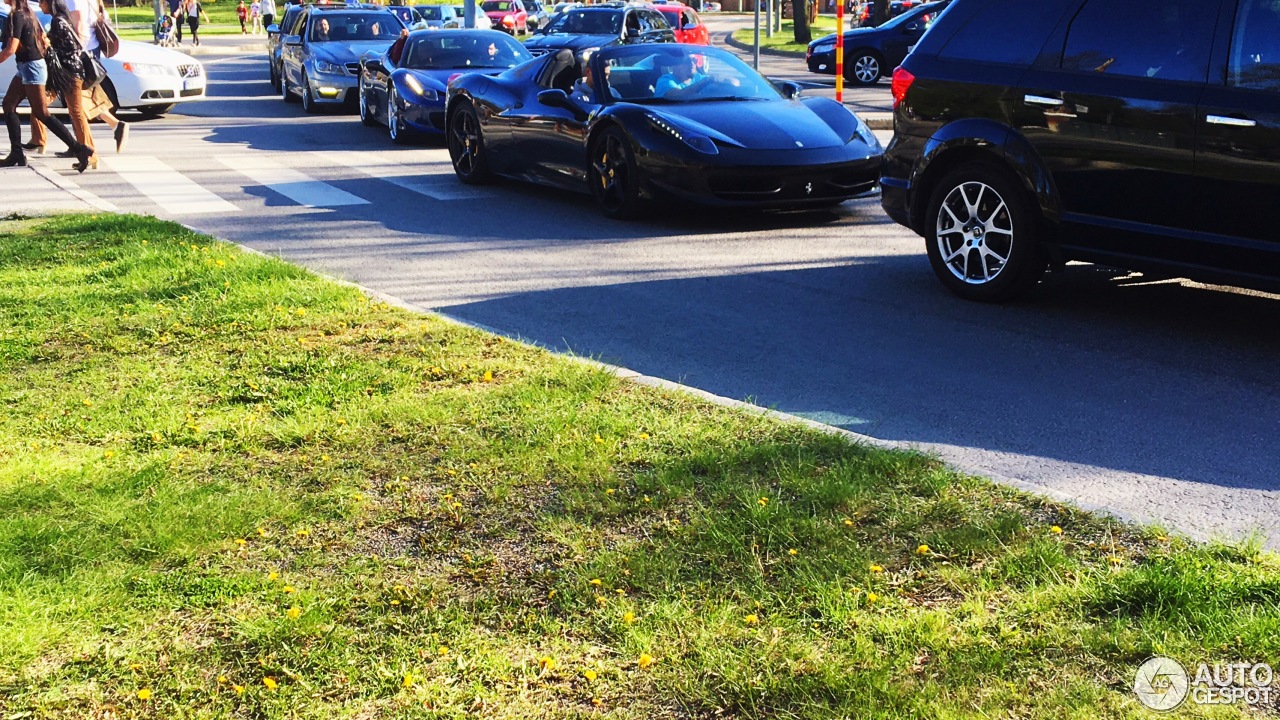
983,235
865,69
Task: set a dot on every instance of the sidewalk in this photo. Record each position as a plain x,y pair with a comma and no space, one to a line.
37,190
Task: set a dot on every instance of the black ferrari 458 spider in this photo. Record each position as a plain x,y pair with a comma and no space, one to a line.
634,123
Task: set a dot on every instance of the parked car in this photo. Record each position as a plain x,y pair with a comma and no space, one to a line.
729,138
709,6
319,62
274,44
482,19
538,14
686,24
1096,131
436,17
866,16
872,53
508,16
408,96
140,77
596,26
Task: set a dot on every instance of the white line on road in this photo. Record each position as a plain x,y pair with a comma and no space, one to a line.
170,189
269,172
441,186
74,188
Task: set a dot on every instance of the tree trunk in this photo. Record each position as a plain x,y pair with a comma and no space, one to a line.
800,21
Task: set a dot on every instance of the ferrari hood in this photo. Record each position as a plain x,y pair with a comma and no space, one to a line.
755,125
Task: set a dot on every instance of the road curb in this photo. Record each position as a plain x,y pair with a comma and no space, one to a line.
729,40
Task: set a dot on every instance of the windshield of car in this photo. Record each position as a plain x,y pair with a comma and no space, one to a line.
498,6
468,50
681,74
340,27
430,12
586,22
907,17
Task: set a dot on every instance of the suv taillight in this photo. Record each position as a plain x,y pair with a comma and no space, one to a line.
902,79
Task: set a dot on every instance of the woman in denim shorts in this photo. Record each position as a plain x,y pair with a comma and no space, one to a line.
23,38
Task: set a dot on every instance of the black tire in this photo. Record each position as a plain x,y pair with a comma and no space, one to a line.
366,115
308,102
995,259
863,67
614,176
286,93
275,75
466,146
152,111
401,133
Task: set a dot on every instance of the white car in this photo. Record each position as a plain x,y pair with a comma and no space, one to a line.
141,76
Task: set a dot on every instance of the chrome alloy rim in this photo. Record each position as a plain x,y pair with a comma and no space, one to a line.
866,68
611,172
364,102
974,233
393,114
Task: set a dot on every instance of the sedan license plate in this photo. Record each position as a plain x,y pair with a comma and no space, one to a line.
193,84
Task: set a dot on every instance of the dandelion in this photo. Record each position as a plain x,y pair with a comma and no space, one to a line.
488,376
877,569
109,454
551,594
408,681
444,650
144,694
241,542
629,617
1162,538
590,675
294,612
395,602
1115,560
1055,530
303,533
451,471
221,263
135,666
222,679
596,581
600,600
599,439
762,501
793,552
922,550
288,590
597,701
87,402
751,620
645,660
270,682
848,522
620,591
872,597
341,421
547,663
239,689
262,532
646,498
610,491
273,575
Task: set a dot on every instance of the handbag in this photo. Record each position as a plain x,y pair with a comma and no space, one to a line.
94,73
108,40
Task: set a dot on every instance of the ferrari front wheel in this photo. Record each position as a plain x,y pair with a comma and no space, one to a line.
466,147
614,179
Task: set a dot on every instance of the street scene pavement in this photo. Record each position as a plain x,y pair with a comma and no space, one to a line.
1154,400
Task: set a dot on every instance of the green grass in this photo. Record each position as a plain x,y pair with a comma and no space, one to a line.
135,22
785,40
195,441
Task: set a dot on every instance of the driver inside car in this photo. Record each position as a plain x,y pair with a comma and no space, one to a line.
684,80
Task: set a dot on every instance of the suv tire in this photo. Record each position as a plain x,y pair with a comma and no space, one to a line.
983,234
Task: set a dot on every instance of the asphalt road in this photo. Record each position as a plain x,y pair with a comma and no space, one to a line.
1159,400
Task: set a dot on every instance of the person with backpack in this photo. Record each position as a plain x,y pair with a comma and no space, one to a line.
23,39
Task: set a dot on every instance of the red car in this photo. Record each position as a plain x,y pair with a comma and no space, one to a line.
507,15
685,21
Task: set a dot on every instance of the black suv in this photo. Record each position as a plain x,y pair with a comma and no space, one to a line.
1138,135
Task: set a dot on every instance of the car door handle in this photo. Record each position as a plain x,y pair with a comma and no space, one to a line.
1041,101
1234,122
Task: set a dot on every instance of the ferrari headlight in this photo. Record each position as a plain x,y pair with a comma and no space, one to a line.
417,88
701,143
324,66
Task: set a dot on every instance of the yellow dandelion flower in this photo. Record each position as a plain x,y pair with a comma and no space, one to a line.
241,542
590,675
922,550
444,650
872,597
628,617
135,666
877,569
324,458
87,402
222,679
600,600
451,471
288,590
109,454
1055,530
303,533
646,498
273,575
1162,538
620,591
547,663
155,437
644,436
610,491
599,439
407,682
762,501
270,682
793,551
751,619
597,701
1115,560
848,522
239,689
294,612
488,376
221,263
395,602
262,532
645,660
596,581
144,694
551,594
341,421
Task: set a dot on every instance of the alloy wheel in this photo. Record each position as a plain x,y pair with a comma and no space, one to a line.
393,114
975,233
465,145
866,69
308,105
612,173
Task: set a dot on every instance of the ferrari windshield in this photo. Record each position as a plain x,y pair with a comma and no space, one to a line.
463,50
587,21
341,27
681,74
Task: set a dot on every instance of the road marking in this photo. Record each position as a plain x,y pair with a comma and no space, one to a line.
71,186
171,190
442,185
269,172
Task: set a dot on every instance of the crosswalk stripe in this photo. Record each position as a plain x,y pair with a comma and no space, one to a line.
440,186
171,190
269,172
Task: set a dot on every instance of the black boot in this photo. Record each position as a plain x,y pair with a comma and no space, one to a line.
83,152
16,155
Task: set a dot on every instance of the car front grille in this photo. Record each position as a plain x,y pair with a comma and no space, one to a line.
190,71
353,68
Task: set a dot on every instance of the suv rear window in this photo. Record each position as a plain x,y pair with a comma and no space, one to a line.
999,31
1168,40
1255,46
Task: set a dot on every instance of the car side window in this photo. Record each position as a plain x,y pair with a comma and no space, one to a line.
687,19
1255,46
657,20
1023,29
633,23
1168,40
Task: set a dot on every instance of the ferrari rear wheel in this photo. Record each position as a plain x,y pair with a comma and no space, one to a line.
466,147
615,181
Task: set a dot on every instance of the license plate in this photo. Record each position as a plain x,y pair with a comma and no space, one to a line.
193,84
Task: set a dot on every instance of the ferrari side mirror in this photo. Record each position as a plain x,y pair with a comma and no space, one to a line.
554,98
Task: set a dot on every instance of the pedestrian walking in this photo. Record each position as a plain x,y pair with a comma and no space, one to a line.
242,14
255,17
268,12
175,12
193,10
24,40
94,102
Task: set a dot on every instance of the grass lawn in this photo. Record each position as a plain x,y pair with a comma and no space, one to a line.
785,40
135,22
229,488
